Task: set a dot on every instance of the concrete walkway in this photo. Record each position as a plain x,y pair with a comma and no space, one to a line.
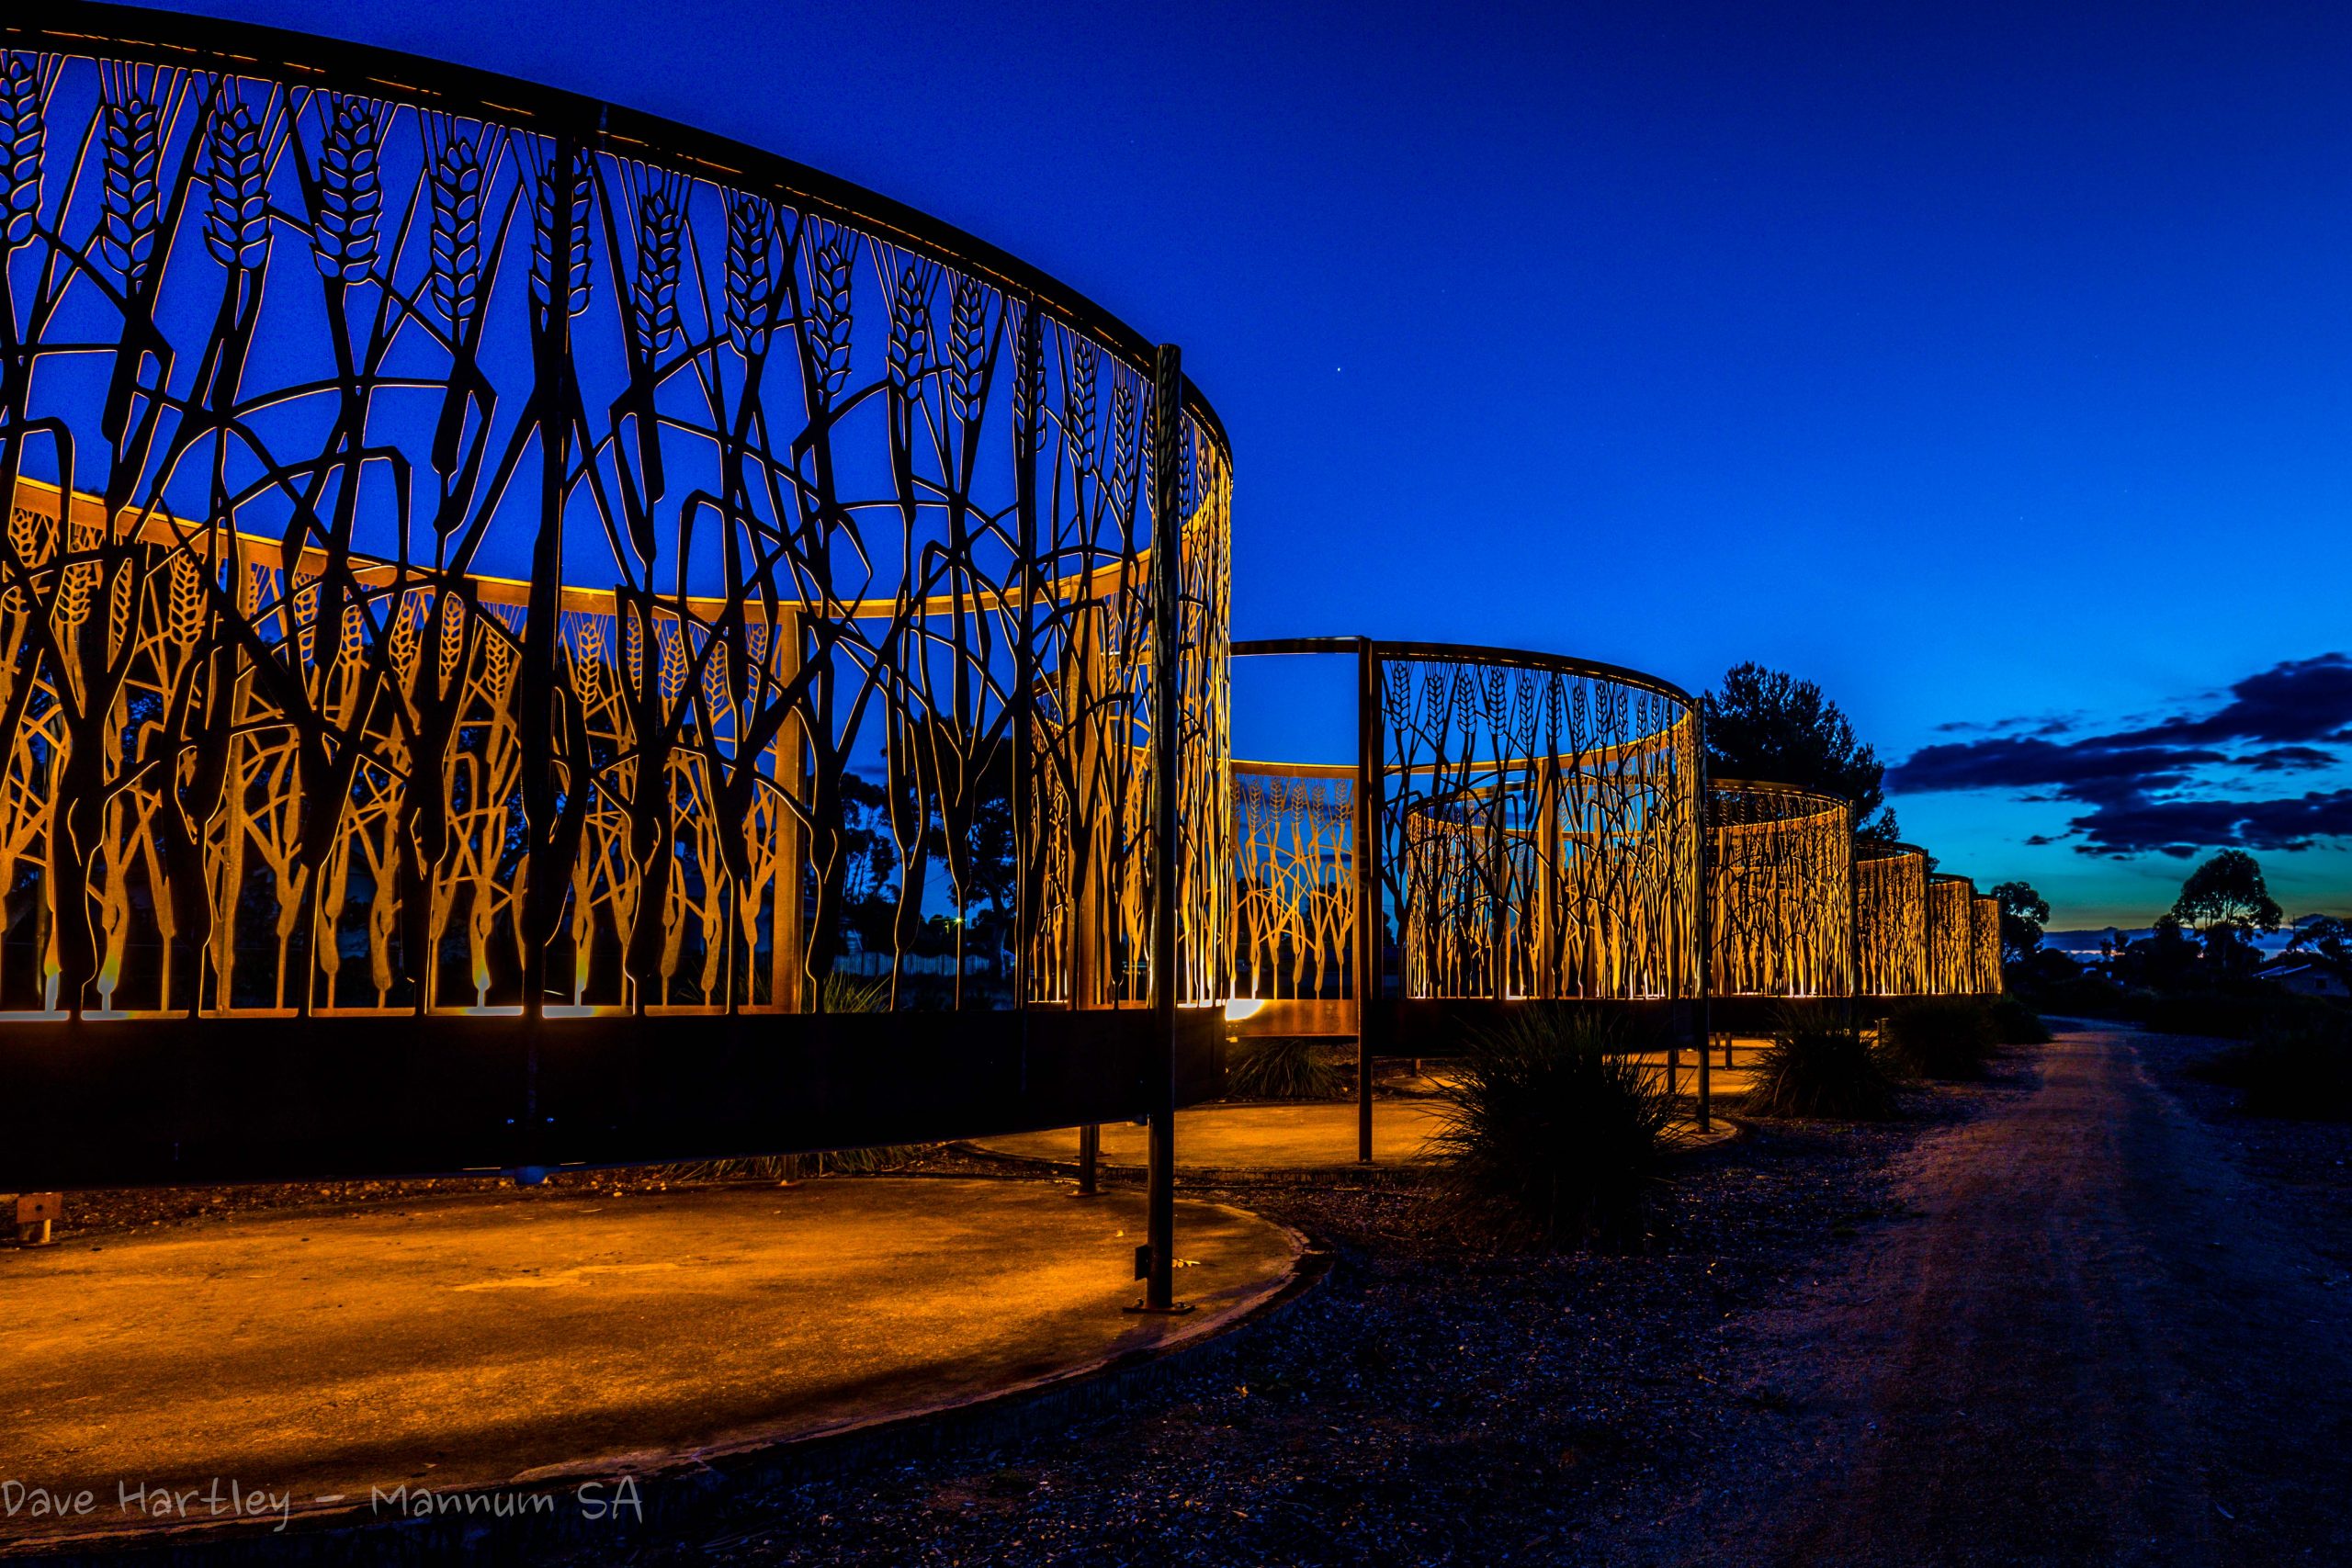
468,1342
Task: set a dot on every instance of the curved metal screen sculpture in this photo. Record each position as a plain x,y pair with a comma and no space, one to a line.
473,548
1780,891
1538,826
1535,836
1889,920
1295,882
1951,935
1987,946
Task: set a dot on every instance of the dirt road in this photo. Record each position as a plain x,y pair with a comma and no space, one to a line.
2086,1344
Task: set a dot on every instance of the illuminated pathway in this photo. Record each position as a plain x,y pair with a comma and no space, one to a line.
463,1342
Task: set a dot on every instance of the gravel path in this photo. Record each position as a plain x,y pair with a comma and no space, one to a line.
2097,1343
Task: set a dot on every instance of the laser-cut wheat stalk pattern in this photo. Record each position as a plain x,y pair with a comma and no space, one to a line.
1951,936
1780,891
1540,827
1985,979
458,558
1294,881
1889,920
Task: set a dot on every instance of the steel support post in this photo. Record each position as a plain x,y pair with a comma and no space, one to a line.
1706,1080
1367,871
1706,928
1028,811
1167,653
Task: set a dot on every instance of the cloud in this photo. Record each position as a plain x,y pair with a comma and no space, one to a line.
2181,827
2029,763
2306,699
2046,725
2140,786
2288,760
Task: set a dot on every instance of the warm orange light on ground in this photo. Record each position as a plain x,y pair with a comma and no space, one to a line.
679,1323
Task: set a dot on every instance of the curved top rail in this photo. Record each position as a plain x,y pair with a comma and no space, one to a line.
241,49
1878,848
1967,882
1746,807
1521,658
1470,653
1766,786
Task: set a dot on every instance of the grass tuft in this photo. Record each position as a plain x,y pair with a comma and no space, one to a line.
848,993
1282,1066
797,1168
1551,1135
1821,1071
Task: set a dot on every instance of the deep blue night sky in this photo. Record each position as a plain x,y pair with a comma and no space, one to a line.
1990,364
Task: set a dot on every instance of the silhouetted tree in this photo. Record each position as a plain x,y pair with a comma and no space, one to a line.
2164,960
1766,724
869,861
2227,893
2229,951
2023,914
982,860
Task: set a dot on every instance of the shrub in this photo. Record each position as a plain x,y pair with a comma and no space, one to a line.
1282,1066
2302,1072
1820,1072
2015,1023
1941,1037
1552,1134
1794,1015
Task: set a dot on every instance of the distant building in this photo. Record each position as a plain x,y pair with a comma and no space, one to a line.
2306,979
